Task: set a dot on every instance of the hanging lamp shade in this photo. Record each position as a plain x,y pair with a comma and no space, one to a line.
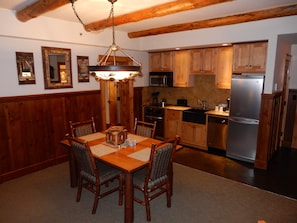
103,70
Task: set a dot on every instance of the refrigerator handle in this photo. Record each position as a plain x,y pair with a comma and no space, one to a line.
247,121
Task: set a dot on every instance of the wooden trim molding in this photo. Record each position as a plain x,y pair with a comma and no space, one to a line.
269,128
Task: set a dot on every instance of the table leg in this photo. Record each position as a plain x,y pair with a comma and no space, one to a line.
129,210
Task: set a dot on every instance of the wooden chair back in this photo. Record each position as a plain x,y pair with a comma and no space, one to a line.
145,128
82,128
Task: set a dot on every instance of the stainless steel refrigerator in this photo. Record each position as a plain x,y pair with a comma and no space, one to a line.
246,90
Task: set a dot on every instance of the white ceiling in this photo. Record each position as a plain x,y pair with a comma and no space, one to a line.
94,10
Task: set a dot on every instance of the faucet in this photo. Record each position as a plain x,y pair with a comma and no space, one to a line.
202,103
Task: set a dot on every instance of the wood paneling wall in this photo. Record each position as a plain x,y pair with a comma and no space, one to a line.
269,129
32,127
290,133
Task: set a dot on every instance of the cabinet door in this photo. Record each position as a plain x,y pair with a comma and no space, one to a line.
167,61
181,73
202,61
196,61
161,61
224,67
258,54
155,61
241,57
250,58
194,135
208,59
187,133
173,120
200,136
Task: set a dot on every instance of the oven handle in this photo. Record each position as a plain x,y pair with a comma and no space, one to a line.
154,117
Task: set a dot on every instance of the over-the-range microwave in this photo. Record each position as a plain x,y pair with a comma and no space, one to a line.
161,79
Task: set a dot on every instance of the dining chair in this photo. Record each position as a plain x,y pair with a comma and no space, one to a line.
93,174
146,129
157,177
82,128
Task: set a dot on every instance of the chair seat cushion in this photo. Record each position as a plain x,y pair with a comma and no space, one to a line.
139,179
106,172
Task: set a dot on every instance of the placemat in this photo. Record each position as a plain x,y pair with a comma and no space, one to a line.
136,137
143,155
101,150
93,136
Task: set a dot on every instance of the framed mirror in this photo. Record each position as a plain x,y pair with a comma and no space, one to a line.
56,67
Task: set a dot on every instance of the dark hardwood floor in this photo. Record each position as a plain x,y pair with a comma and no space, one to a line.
280,177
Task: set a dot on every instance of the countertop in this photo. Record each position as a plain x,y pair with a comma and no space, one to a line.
179,108
217,113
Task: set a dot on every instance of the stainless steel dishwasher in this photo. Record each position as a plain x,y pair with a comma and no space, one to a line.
217,132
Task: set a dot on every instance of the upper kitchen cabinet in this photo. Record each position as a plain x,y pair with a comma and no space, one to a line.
224,67
181,74
249,57
161,61
203,61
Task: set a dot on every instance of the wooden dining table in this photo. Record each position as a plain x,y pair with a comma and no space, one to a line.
126,158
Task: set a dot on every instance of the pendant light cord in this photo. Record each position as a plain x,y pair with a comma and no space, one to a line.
106,22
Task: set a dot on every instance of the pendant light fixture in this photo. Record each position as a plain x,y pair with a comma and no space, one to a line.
107,68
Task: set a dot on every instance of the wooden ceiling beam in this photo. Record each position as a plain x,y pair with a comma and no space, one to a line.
153,12
228,20
38,8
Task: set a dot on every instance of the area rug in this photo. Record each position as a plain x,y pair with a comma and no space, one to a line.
46,196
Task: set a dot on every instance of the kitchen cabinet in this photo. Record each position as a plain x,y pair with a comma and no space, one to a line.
203,61
173,120
194,135
181,74
161,61
223,68
249,57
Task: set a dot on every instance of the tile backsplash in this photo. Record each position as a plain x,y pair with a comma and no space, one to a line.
203,90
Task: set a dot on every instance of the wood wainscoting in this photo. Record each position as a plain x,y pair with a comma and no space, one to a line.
32,127
269,129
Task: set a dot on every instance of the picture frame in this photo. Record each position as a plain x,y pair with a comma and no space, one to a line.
56,67
25,67
82,68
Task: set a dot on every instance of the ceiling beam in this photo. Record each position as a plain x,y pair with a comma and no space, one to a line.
153,12
228,20
38,8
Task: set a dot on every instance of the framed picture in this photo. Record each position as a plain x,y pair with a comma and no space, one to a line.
25,68
56,67
82,68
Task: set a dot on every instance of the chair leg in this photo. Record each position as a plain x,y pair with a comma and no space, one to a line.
96,200
168,194
147,206
79,189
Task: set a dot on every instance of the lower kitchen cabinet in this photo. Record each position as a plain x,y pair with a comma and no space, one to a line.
194,135
173,120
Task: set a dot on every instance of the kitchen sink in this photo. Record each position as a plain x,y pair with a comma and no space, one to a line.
195,115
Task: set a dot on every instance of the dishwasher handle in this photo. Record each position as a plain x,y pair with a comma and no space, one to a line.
218,120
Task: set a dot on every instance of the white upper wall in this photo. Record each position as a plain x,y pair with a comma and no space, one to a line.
16,36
